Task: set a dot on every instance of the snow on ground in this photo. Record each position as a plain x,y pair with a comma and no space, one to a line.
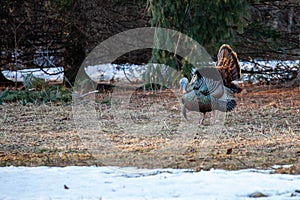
131,183
48,76
269,64
105,72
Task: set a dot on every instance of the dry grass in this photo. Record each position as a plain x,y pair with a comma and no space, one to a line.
262,131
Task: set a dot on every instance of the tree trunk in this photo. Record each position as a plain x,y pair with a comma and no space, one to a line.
75,55
4,82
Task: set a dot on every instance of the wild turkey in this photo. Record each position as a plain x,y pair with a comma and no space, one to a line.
206,92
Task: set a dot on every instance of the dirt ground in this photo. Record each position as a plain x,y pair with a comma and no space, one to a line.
263,131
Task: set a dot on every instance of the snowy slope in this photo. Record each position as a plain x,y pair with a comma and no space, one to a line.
130,183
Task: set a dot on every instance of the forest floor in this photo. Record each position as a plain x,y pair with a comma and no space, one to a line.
263,131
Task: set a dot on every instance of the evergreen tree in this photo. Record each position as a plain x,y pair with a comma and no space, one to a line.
211,23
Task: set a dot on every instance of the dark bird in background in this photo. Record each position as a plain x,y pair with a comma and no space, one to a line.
212,88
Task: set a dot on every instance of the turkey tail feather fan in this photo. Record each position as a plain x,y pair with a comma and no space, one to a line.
228,65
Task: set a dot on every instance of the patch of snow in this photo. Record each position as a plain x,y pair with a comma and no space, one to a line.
131,183
269,63
21,74
281,166
106,72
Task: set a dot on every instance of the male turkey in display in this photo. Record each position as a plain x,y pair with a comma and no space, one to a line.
212,88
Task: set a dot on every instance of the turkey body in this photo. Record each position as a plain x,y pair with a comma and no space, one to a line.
194,100
212,88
